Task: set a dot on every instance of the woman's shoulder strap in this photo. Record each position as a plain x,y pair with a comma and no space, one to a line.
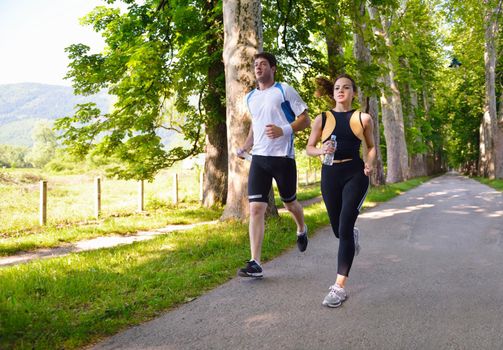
328,125
356,124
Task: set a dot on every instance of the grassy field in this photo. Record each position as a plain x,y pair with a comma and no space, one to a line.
72,301
71,207
71,197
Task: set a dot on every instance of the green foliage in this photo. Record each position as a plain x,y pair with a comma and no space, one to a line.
156,63
461,90
13,157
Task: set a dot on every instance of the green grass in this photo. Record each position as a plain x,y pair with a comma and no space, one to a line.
497,184
305,192
72,301
70,208
123,224
70,198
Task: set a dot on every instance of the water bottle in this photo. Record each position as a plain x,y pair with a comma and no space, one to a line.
244,155
329,157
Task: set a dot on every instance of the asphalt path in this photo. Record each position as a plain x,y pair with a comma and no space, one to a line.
429,276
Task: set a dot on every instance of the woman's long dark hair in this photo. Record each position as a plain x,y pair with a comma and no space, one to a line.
325,87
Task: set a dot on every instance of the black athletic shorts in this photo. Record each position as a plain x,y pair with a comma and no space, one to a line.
263,169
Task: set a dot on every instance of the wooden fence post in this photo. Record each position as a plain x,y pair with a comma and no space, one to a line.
140,196
43,202
97,203
175,188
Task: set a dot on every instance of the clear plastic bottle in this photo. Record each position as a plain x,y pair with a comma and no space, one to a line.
329,157
244,155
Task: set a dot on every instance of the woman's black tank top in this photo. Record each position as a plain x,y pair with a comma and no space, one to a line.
348,145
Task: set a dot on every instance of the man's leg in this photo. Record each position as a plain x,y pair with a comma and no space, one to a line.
256,229
298,214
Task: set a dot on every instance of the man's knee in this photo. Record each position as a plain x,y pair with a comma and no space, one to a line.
257,208
293,206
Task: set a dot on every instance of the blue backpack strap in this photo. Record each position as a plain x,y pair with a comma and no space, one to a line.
285,105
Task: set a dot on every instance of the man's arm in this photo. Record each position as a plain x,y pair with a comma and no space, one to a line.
249,141
300,123
247,146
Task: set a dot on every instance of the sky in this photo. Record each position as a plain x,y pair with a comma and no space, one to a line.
34,34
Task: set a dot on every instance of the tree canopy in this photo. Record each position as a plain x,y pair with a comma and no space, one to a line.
163,62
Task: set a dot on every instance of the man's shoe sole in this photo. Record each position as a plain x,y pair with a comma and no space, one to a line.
331,305
252,275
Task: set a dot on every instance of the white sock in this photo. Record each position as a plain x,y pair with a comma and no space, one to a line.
301,233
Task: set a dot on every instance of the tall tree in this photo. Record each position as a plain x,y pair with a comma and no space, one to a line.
163,63
460,94
215,166
391,105
417,47
242,39
490,162
365,75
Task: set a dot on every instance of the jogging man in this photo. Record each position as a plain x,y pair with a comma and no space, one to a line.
277,112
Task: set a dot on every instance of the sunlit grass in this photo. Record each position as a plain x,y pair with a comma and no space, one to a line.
124,219
497,184
71,198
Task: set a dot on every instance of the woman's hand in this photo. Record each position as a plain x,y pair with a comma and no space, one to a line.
327,147
368,169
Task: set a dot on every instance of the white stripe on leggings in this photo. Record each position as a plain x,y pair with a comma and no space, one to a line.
363,199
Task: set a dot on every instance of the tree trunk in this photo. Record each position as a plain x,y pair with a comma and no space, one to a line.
216,157
396,148
401,146
215,166
369,104
242,39
499,141
394,170
489,128
417,160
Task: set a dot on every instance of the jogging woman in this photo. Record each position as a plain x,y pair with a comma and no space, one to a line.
344,182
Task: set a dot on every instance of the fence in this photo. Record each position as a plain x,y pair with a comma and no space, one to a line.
97,194
141,193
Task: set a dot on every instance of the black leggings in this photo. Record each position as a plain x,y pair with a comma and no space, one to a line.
344,188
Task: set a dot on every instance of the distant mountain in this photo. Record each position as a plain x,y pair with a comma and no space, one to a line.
22,105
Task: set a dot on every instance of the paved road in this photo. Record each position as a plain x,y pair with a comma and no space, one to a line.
430,276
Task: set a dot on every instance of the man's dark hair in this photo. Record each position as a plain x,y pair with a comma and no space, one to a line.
268,56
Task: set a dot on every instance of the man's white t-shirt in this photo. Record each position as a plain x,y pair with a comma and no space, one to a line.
265,107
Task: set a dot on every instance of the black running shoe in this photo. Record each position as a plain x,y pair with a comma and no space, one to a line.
302,240
252,269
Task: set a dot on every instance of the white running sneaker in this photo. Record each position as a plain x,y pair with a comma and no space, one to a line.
335,297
